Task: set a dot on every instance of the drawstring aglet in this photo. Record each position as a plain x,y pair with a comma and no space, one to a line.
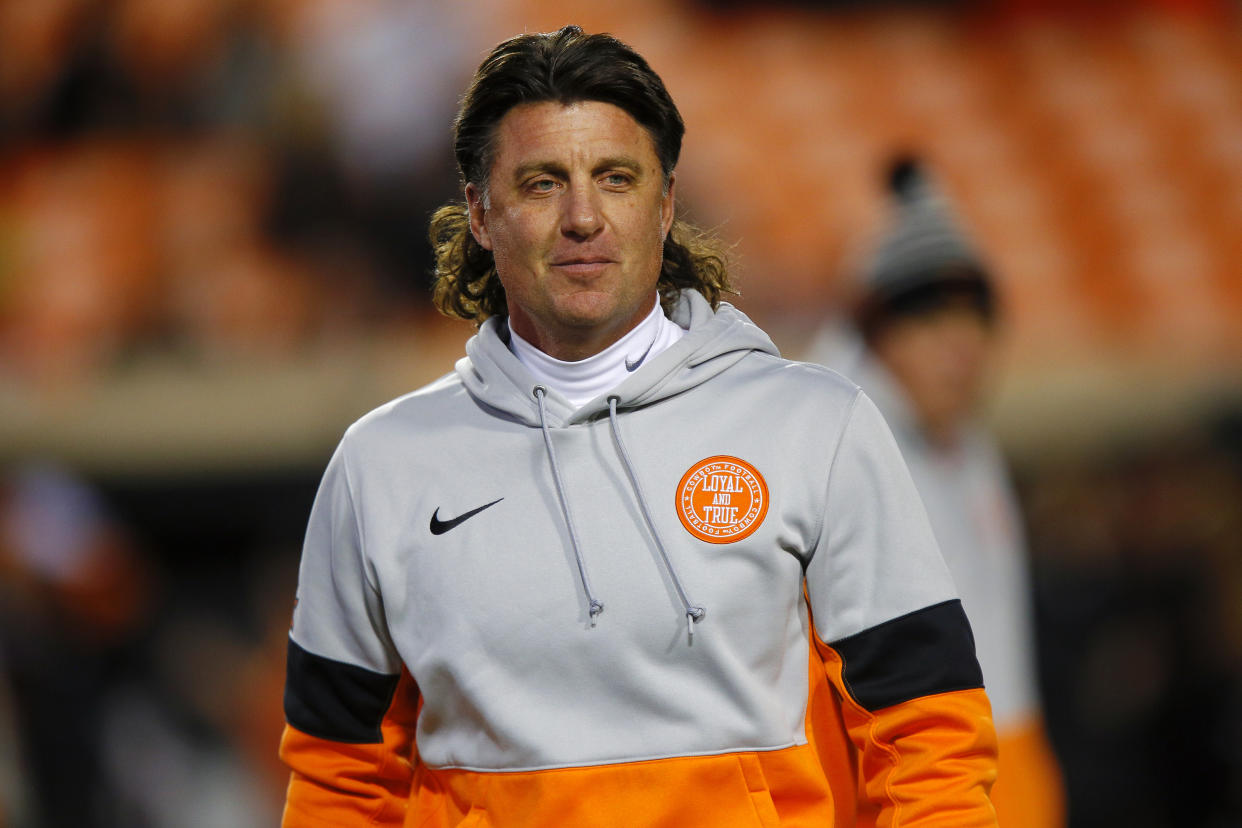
596,609
693,616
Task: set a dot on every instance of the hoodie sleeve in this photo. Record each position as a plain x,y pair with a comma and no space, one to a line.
896,643
350,707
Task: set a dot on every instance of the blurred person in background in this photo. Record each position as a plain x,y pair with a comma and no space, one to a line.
450,660
921,345
74,595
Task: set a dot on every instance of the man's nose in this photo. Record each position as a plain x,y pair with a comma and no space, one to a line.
581,216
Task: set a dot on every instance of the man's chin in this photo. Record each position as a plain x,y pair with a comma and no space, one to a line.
587,311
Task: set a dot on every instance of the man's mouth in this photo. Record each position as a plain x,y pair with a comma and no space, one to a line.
582,265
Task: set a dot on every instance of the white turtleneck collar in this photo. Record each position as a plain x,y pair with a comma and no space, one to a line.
584,380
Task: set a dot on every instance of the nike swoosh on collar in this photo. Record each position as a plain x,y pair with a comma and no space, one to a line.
439,527
633,366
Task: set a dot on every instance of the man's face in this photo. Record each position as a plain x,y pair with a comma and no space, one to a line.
941,358
576,217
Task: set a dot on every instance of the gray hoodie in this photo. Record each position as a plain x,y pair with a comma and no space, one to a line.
622,581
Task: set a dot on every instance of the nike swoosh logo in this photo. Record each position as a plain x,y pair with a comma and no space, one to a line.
439,527
633,366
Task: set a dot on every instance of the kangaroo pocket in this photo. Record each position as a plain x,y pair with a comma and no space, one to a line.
757,786
725,791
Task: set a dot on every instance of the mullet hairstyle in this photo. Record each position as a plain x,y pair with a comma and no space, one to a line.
564,67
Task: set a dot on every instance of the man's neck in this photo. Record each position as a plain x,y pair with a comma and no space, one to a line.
580,381
577,344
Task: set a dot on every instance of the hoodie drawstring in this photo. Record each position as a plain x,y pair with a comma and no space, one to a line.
694,612
595,606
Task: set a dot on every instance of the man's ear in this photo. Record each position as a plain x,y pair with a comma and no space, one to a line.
478,216
668,207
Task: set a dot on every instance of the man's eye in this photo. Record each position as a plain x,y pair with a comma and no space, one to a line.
542,185
616,179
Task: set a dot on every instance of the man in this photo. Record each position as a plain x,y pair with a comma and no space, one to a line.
573,582
926,317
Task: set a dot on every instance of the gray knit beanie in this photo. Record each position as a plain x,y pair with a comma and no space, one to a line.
924,248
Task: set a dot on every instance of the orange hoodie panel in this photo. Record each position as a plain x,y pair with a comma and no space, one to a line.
776,788
770,788
930,761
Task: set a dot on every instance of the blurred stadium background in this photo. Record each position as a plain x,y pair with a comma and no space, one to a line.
212,259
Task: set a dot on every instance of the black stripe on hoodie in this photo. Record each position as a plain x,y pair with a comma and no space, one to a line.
928,651
333,700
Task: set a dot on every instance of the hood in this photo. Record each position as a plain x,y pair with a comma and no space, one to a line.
714,342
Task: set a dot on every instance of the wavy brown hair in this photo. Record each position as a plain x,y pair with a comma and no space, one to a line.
566,67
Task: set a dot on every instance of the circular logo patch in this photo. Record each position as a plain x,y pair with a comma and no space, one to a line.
722,499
